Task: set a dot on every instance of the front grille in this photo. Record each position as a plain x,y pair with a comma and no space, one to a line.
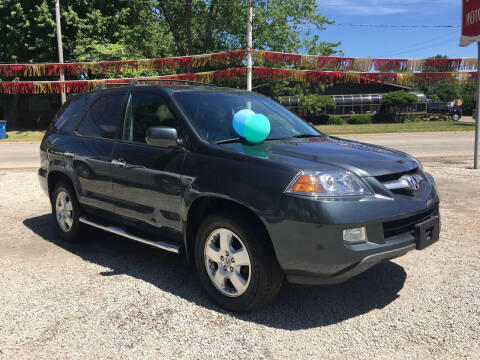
396,176
406,225
397,184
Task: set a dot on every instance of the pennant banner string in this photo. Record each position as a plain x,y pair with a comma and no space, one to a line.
259,73
261,57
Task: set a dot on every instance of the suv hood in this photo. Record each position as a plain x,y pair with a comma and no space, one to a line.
322,152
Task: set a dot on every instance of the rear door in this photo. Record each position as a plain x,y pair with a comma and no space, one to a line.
146,179
90,152
57,143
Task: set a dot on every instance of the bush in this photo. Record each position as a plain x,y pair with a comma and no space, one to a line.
360,119
399,100
326,119
321,119
414,118
314,102
335,120
382,118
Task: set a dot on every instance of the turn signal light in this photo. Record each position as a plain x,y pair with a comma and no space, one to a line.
307,184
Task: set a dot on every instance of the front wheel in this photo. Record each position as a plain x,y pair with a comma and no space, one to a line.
236,264
455,117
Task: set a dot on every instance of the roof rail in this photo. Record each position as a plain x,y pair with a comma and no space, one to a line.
135,81
105,85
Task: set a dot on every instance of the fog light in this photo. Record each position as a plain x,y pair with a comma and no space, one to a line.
355,236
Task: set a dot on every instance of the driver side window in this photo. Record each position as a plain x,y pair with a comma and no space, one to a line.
145,110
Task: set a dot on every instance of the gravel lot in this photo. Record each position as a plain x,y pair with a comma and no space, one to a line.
110,298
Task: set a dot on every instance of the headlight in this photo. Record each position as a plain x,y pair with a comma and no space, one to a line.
327,183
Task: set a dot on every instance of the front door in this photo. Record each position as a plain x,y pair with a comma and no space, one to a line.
146,179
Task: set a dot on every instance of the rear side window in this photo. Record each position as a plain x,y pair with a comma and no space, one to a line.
70,114
104,118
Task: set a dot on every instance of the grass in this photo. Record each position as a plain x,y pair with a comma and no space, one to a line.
24,135
421,126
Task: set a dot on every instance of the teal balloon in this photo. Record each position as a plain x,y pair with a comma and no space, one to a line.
239,120
256,128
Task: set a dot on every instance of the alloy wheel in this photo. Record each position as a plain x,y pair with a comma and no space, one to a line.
227,262
64,211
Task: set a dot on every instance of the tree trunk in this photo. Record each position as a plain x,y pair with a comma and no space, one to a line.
173,28
188,16
207,35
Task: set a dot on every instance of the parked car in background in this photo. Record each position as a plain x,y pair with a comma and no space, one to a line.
163,165
446,108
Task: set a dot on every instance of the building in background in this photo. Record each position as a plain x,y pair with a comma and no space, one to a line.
352,99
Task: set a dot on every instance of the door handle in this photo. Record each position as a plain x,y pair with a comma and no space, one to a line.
120,163
69,154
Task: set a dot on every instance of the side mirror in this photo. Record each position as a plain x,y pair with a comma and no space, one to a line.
162,136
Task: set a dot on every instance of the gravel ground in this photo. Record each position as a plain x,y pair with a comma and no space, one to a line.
110,298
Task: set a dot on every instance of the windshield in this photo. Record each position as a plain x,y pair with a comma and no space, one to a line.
212,113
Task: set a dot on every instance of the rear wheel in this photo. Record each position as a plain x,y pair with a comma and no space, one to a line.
235,263
66,211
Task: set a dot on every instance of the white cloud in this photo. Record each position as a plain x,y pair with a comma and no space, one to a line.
385,7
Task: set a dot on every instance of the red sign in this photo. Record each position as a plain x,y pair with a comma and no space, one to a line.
470,22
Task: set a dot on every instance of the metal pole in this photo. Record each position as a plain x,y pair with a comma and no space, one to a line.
60,47
249,46
477,121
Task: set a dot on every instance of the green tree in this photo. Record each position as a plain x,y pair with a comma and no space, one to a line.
95,30
203,26
445,90
150,28
468,91
315,102
122,28
399,100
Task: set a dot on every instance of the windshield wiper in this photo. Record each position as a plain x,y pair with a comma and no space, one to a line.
229,141
304,136
275,139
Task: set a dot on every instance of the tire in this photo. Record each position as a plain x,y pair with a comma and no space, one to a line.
66,216
257,284
455,117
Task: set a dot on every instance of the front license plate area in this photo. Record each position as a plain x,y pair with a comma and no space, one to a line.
427,232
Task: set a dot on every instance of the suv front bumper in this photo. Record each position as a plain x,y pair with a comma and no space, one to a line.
324,258
365,264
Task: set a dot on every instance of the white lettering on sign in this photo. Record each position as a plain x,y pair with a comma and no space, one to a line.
473,17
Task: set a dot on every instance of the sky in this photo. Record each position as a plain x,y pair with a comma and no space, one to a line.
395,42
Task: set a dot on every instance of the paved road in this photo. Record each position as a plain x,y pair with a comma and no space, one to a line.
17,155
425,144
468,119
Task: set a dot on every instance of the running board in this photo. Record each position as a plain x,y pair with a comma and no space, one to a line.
158,244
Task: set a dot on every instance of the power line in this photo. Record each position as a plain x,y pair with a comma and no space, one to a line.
416,45
393,26
173,2
425,46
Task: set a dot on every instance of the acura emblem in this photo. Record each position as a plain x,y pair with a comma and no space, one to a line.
411,181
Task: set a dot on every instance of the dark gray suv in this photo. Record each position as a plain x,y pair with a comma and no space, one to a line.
163,165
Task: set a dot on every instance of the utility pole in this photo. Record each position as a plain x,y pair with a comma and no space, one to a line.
477,129
249,46
60,47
